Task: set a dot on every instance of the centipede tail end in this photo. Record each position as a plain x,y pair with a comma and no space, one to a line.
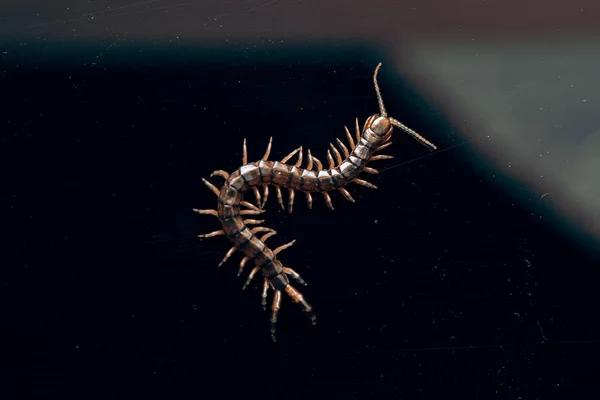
298,298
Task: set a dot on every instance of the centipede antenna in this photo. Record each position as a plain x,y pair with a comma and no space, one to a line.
414,134
382,111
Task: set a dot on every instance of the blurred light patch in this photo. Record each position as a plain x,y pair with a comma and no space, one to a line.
532,106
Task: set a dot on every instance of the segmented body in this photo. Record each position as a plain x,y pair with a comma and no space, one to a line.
232,207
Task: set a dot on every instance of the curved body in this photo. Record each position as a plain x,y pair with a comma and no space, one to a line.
232,208
281,175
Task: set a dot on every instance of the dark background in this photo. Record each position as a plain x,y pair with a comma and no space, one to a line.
441,283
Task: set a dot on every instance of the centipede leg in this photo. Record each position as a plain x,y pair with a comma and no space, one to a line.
328,200
221,173
212,187
229,254
265,195
364,183
336,153
242,264
250,277
309,200
274,311
268,235
383,146
291,201
268,152
263,229
251,212
330,159
381,157
295,275
279,197
299,299
264,294
249,205
206,212
253,221
347,195
287,158
349,137
283,247
257,195
212,234
299,162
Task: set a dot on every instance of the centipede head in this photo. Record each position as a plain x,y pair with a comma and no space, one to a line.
382,125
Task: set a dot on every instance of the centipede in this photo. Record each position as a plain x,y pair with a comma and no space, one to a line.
237,214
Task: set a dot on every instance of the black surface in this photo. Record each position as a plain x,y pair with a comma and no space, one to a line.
441,283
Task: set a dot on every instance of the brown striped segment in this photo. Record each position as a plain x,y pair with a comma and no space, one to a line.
280,174
265,257
325,182
226,211
361,151
253,247
337,178
309,181
237,182
240,238
265,170
369,137
295,178
349,170
251,174
230,196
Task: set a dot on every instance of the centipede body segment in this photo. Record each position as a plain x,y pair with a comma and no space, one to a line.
236,214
